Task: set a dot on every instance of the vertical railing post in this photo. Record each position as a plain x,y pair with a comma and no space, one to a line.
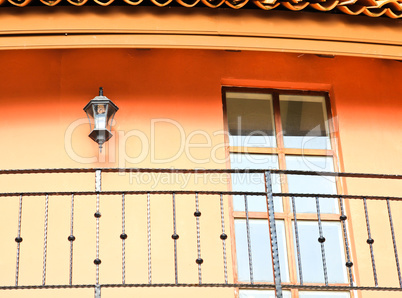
370,241
45,240
71,239
274,237
223,237
97,291
149,238
175,236
18,239
391,224
197,215
97,261
123,237
98,180
250,257
298,253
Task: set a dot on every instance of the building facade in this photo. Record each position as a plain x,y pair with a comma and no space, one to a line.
206,91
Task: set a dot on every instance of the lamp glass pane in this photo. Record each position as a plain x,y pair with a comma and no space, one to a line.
100,113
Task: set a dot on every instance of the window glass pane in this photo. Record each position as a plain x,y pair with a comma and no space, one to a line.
312,184
310,251
254,181
250,119
304,122
261,294
260,250
323,295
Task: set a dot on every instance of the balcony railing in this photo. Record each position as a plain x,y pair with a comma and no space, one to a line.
174,229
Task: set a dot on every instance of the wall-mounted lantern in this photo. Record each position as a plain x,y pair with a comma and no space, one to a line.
100,112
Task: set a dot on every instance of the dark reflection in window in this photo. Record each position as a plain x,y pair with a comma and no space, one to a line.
250,119
304,122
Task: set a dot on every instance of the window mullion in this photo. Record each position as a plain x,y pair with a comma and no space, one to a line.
285,189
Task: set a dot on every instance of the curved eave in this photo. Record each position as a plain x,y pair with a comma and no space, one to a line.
199,28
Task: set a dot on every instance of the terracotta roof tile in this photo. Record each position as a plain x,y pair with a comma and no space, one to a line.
372,8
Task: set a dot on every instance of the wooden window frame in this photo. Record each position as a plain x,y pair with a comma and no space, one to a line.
282,152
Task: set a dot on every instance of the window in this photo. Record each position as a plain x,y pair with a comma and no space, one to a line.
281,129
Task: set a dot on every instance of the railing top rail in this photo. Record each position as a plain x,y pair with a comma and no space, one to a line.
200,192
208,285
198,171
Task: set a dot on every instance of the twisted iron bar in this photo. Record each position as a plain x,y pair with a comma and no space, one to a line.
198,171
370,242
206,192
250,257
349,263
197,219
223,238
45,240
149,238
175,237
398,268
321,239
71,239
18,240
123,239
297,241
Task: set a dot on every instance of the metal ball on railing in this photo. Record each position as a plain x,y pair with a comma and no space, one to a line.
97,261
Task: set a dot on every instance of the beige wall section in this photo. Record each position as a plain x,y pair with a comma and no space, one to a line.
141,27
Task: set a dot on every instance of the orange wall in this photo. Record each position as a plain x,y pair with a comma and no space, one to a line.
42,93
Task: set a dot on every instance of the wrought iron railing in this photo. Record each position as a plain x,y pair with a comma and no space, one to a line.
219,196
